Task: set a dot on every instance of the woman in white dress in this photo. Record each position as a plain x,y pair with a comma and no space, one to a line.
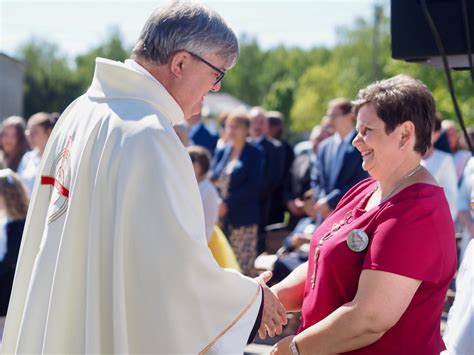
37,132
441,166
201,159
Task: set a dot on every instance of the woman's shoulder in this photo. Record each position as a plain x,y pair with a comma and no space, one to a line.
421,197
14,227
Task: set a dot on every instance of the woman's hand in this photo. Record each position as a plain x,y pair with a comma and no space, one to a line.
283,346
223,209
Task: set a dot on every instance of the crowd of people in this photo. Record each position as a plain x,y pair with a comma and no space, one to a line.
249,178
370,203
260,180
21,147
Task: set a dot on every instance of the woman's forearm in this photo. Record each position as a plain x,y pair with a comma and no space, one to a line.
343,330
290,290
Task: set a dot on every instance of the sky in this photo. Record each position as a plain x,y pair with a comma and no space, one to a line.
79,25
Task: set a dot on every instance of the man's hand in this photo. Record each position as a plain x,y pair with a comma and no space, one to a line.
274,314
283,346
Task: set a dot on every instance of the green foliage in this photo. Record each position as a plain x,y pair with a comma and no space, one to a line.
245,80
297,82
49,82
113,48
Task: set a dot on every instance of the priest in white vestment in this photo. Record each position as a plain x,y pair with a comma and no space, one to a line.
114,257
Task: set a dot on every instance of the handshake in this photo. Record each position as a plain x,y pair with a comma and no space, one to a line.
274,314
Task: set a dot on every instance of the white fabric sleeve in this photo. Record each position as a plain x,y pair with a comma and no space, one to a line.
235,340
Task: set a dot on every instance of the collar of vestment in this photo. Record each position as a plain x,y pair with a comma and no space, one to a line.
129,80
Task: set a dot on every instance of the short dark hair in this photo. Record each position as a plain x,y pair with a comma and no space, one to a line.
400,99
437,122
275,118
343,104
201,156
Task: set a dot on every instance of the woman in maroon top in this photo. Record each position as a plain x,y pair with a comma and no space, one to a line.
380,264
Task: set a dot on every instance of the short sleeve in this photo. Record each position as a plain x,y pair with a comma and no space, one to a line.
406,240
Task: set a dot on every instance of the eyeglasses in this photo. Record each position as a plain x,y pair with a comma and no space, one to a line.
221,72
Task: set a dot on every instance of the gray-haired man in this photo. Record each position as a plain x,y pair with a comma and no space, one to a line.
114,256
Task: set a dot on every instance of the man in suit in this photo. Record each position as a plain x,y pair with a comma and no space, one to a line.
338,165
272,168
200,135
275,130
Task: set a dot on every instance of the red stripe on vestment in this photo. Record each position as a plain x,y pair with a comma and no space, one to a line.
49,180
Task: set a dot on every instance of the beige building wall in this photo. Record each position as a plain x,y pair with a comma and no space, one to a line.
11,87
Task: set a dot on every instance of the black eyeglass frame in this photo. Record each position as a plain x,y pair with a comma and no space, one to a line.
221,72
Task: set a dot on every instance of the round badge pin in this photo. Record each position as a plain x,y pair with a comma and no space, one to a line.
357,240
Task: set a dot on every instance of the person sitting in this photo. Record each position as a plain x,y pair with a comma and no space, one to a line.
14,205
294,251
380,265
300,175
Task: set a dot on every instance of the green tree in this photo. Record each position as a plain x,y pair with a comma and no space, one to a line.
244,81
280,98
113,48
49,82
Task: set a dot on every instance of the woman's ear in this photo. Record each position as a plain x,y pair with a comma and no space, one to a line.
407,133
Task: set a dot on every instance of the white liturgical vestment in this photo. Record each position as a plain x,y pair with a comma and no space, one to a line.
114,257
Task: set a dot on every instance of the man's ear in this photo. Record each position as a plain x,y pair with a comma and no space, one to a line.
177,63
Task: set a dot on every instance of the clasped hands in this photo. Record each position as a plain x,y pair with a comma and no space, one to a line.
274,314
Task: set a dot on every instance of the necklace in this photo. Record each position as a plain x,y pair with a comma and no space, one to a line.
399,183
349,217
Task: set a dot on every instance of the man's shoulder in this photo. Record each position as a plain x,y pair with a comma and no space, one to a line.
254,149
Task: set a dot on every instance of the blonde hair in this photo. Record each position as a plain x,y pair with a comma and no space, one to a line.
241,118
14,194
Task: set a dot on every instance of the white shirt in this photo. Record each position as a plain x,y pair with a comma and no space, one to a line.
3,238
28,168
464,201
459,332
210,202
461,158
441,166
